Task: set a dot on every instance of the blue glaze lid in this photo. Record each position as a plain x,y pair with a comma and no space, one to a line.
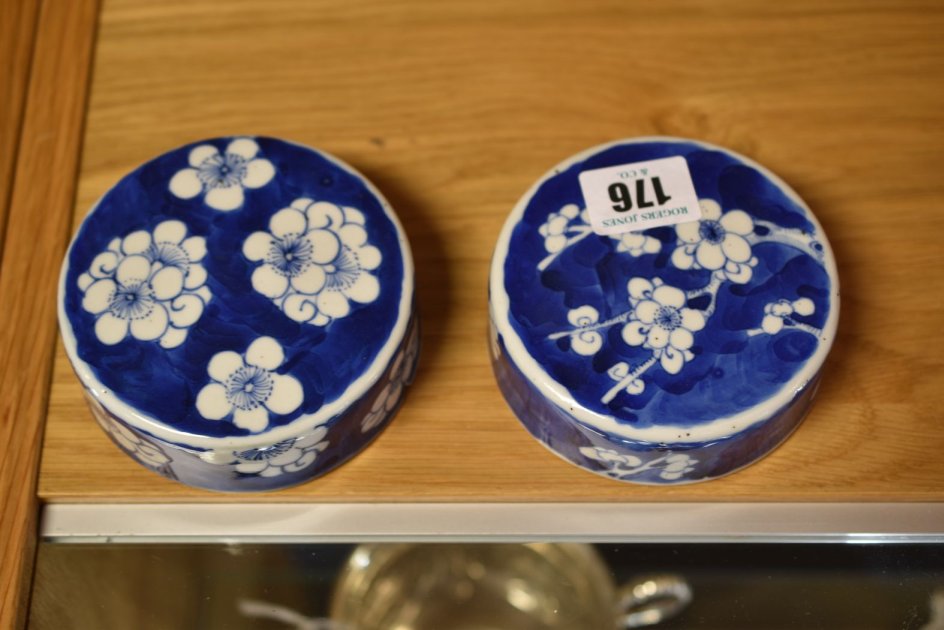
235,292
676,334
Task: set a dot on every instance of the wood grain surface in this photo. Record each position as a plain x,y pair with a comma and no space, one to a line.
42,198
17,28
454,109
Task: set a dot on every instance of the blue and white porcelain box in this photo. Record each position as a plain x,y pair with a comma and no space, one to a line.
240,313
661,310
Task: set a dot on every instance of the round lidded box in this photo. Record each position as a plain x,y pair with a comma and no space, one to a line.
675,353
240,313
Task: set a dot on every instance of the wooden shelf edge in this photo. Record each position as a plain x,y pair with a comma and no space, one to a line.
40,207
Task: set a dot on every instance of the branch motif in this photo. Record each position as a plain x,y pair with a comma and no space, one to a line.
673,466
659,318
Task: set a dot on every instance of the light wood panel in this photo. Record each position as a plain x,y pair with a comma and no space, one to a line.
43,188
454,109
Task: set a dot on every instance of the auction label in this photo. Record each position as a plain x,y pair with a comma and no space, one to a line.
638,196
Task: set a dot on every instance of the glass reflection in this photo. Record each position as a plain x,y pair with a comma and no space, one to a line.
516,587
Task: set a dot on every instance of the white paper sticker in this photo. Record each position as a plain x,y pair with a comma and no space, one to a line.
641,195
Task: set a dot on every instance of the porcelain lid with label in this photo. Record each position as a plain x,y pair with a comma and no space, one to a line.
235,292
677,334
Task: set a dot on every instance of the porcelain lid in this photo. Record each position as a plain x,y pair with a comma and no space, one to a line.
683,333
235,291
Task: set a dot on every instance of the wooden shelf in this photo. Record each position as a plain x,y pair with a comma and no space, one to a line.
454,109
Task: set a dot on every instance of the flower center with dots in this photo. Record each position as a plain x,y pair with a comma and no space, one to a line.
291,255
712,231
248,387
668,317
134,300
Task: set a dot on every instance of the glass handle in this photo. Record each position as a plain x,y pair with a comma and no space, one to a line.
651,600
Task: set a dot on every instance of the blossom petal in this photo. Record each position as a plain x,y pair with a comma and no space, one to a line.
557,224
672,361
587,343
736,248
689,232
710,209
300,307
196,277
185,310
254,420
583,316
136,243
286,396
199,154
669,296
737,221
804,306
325,246
302,203
634,333
98,296
323,215
196,249
353,215
103,265
110,329
243,147
393,395
309,281
658,337
224,364
681,338
555,243
266,353
267,281
646,311
212,402
226,199
333,304
692,319
312,438
133,269
772,324
151,327
170,232
84,281
167,283
738,272
257,245
186,184
639,288
271,471
353,235
369,257
173,337
709,255
252,467
128,440
682,259
258,173
287,221
630,241
306,460
652,245
570,211
289,456
363,290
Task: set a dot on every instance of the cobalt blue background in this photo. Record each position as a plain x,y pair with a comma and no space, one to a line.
730,372
164,383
